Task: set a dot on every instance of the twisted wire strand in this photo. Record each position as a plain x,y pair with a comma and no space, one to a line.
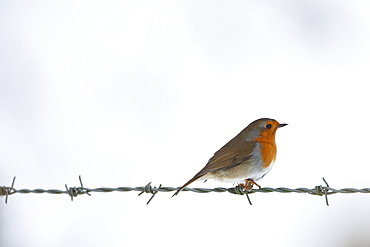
196,190
75,191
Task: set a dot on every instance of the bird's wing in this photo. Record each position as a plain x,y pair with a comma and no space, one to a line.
229,156
225,159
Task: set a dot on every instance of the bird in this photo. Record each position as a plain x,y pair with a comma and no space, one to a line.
245,159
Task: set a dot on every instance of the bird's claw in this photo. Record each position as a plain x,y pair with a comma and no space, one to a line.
248,185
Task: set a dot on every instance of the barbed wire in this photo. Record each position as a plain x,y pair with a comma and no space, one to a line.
318,190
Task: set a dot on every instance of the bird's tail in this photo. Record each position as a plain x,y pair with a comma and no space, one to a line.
196,177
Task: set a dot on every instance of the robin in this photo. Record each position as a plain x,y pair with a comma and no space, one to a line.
246,158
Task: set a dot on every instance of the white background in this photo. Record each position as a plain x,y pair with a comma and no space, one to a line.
130,92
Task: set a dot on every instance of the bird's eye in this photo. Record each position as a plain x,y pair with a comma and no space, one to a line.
268,126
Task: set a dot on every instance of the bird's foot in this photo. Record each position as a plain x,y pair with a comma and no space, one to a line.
248,185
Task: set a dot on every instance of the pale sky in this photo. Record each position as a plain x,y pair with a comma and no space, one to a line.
129,92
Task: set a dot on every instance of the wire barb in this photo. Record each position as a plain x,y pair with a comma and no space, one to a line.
240,190
6,191
320,190
148,189
75,191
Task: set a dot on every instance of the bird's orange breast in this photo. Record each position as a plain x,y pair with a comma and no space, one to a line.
268,147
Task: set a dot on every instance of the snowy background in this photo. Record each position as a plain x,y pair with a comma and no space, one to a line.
129,92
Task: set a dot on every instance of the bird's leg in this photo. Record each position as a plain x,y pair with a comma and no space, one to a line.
249,184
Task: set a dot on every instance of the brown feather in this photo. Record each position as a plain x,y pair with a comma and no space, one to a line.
232,154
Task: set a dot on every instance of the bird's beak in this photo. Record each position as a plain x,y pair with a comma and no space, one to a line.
282,125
